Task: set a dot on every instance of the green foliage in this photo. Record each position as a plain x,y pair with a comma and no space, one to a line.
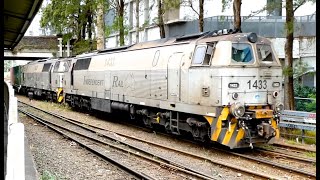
297,133
70,18
83,46
48,176
7,65
311,106
171,4
287,71
225,4
310,154
305,92
300,68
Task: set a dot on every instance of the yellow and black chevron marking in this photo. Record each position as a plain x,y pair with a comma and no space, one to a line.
60,95
230,136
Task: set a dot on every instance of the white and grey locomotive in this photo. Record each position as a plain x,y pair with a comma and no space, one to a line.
218,85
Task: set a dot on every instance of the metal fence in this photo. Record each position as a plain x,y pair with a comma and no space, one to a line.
298,120
267,26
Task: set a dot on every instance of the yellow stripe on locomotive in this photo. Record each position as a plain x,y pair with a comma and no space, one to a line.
225,128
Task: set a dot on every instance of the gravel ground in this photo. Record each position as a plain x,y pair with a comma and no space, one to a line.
130,160
219,172
62,158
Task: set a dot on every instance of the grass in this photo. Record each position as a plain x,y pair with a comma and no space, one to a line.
46,175
297,133
268,147
48,106
310,154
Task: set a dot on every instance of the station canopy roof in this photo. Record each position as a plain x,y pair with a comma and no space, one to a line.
18,16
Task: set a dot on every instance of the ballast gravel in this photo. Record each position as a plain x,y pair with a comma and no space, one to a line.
60,158
219,173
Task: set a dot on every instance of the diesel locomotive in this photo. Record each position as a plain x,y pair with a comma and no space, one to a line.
219,85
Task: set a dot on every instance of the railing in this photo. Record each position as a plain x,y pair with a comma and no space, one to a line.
298,120
266,26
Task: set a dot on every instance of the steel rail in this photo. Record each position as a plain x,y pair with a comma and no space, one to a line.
293,147
274,164
221,163
260,160
129,170
277,153
167,162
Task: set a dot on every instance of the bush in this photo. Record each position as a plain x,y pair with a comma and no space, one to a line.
305,92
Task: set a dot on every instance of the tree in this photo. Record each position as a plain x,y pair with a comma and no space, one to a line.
100,25
288,86
236,12
160,19
200,13
72,18
163,7
118,23
237,15
291,7
8,64
137,21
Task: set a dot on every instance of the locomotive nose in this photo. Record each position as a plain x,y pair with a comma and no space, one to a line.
266,131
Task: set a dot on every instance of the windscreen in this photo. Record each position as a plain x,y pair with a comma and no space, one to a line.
61,66
265,55
242,53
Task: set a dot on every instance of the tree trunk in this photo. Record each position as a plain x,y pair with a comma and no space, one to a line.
83,31
121,26
288,84
89,30
237,15
100,26
79,27
137,21
160,17
201,15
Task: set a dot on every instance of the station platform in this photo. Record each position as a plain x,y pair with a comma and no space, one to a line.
30,166
18,160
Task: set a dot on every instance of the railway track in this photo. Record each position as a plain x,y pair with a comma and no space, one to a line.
162,161
135,174
293,148
221,163
289,156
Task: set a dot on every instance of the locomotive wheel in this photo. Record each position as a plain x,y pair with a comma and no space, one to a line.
146,121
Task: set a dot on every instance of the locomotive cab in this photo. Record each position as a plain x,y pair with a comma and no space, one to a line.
250,90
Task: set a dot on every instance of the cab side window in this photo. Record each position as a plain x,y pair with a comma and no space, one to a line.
202,54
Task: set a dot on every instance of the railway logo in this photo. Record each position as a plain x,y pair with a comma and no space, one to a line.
116,82
93,82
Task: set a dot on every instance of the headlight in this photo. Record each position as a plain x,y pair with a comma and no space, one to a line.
278,107
237,109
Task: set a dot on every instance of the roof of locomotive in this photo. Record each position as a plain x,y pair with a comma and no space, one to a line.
192,38
210,36
237,37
